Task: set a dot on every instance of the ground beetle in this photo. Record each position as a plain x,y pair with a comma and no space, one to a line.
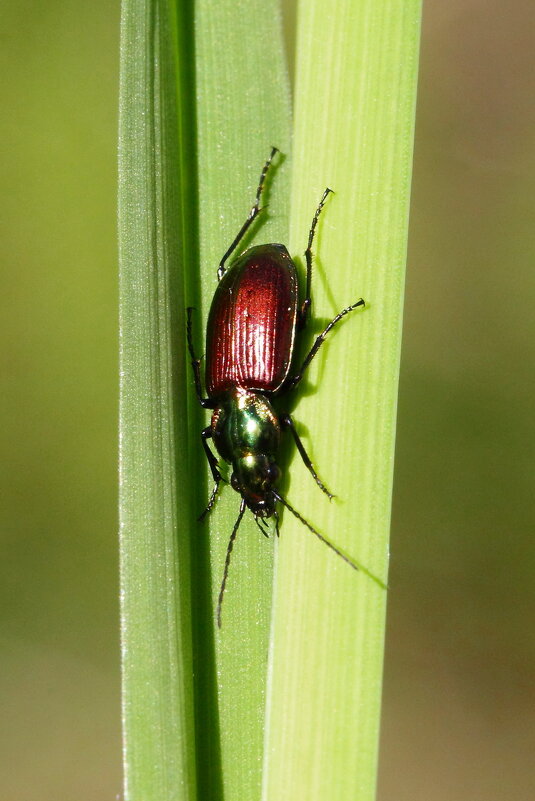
250,338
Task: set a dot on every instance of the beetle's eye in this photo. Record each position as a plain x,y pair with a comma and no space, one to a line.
273,473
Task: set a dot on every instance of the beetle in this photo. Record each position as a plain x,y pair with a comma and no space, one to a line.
252,327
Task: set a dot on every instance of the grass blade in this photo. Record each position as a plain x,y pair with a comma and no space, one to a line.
243,109
354,118
197,120
155,511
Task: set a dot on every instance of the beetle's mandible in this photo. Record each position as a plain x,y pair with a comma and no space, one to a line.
252,327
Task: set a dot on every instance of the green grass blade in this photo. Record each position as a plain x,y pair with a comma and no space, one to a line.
354,118
155,511
204,94
243,109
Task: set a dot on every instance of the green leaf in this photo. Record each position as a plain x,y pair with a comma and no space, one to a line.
243,109
354,117
155,513
204,94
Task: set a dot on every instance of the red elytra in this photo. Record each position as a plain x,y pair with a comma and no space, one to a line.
251,326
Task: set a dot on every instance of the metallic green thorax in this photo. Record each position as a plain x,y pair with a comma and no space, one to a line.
246,433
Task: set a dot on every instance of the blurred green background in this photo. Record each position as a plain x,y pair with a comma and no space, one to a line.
459,718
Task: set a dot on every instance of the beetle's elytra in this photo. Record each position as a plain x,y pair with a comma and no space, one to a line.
252,326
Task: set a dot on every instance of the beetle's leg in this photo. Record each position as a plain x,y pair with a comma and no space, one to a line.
210,504
287,422
214,467
304,312
293,381
206,403
253,214
206,433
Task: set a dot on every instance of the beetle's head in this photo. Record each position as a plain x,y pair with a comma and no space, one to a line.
253,477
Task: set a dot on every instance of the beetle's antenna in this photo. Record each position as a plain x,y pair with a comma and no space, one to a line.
355,565
227,562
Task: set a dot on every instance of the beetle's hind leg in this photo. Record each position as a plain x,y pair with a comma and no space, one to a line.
287,422
214,467
304,312
253,214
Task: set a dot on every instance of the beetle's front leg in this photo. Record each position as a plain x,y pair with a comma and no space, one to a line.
287,422
206,434
206,403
